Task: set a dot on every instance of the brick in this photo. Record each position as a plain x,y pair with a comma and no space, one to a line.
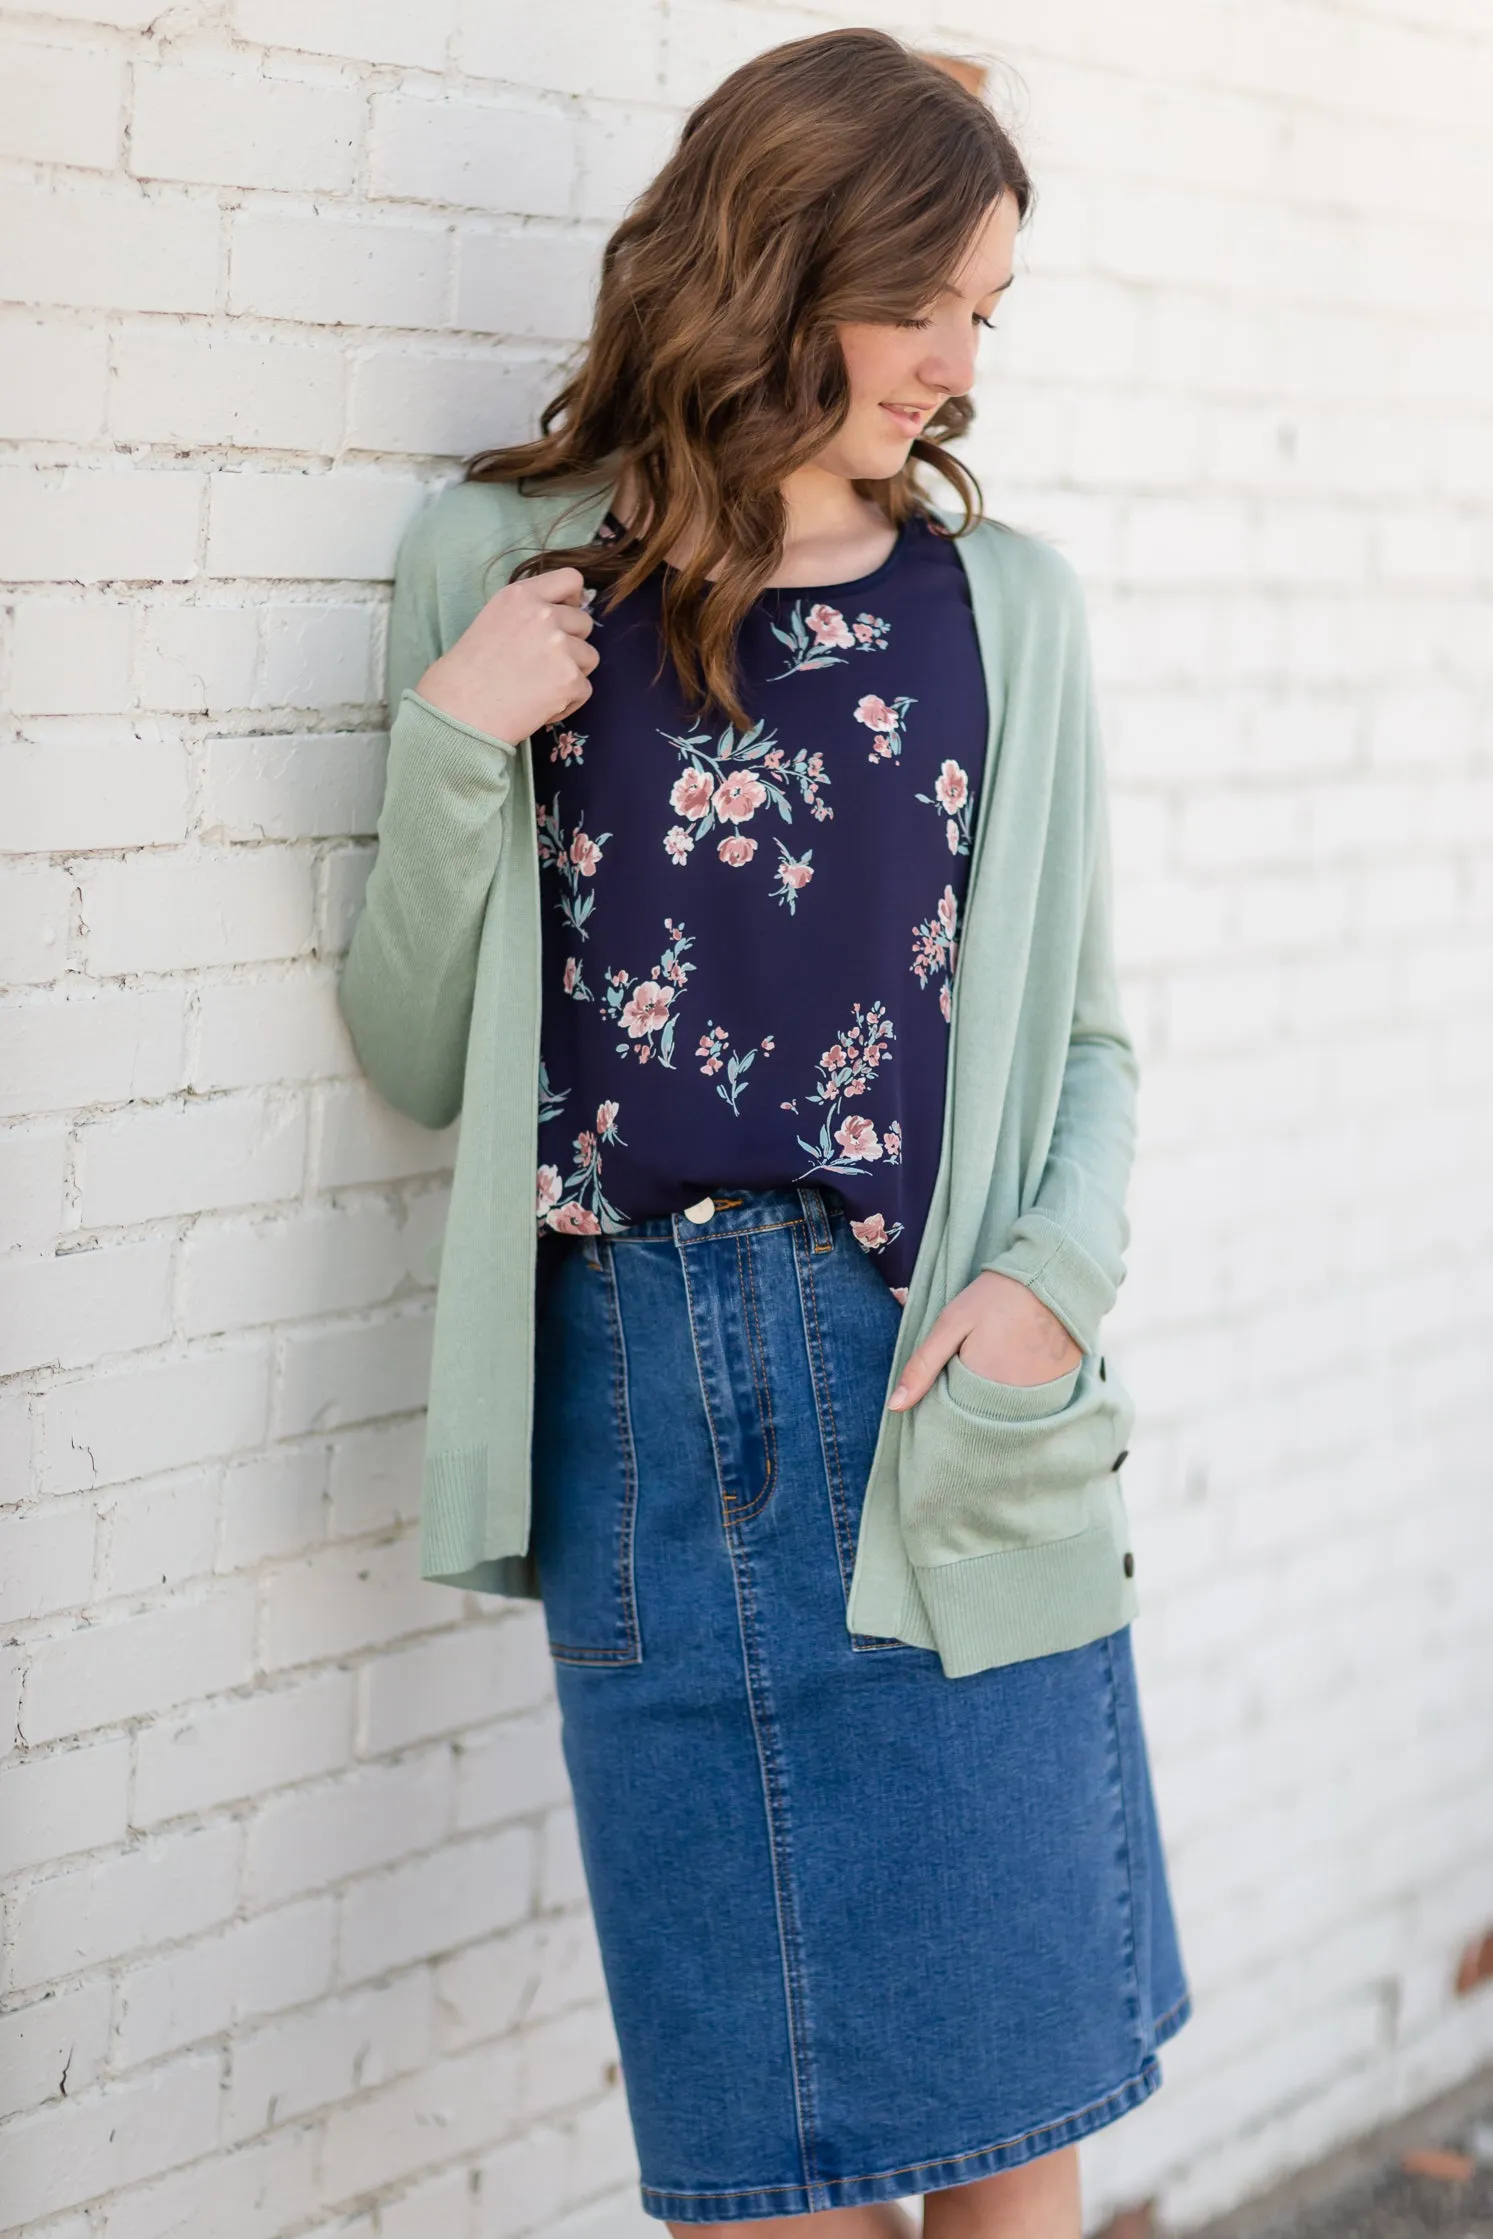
35,903
219,907
52,378
312,786
159,1535
445,404
528,2184
442,1685
307,2061
202,1990
273,1504
32,1165
202,385
441,2114
540,1968
144,1420
253,1033
562,1875
105,246
59,2157
317,1260
15,1459
344,876
317,657
375,1479
338,271
621,52
621,151
61,105
96,524
227,1750
263,2189
311,526
178,1885
55,2040
314,1837
442,2203
69,796
570,2057
370,30
353,1374
343,1599
476,155
526,285
510,1770
243,128
73,1800
360,1139
89,1049
128,1667
70,657
190,659
74,1307
127,15
208,1154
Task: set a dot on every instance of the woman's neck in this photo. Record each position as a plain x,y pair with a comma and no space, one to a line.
833,535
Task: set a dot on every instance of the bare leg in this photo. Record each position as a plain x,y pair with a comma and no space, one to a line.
1040,2200
884,2220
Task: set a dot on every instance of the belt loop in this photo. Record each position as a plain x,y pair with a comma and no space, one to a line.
816,1214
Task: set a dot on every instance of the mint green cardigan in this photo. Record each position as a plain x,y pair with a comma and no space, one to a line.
994,1527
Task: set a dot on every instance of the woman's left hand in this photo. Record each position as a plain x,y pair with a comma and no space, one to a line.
999,1330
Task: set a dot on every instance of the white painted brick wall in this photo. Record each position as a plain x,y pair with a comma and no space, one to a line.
294,1929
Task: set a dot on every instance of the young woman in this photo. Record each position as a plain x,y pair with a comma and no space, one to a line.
743,870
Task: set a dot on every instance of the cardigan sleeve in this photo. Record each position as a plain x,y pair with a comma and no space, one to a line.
1068,1246
407,984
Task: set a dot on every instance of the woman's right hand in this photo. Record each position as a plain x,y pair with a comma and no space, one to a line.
523,663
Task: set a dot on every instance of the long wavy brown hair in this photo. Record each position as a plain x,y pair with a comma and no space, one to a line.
835,178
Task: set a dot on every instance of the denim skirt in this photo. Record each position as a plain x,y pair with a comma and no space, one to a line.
867,1931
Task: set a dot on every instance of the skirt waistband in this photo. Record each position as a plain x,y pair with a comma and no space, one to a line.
737,1212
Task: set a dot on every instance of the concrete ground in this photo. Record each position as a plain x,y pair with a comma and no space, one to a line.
1366,2192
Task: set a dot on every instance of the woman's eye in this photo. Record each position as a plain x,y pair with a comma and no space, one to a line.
924,322
982,321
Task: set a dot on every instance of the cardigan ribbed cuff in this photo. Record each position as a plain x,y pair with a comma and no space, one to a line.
1057,1269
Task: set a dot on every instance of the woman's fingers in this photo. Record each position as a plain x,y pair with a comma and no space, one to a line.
922,1366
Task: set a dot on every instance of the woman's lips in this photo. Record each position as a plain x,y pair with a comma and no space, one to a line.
908,419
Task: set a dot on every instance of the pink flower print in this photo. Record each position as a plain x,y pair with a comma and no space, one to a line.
858,1139
689,795
870,1233
891,1141
864,632
769,1043
951,834
946,1002
585,1148
571,975
832,1058
948,909
568,747
828,627
606,1117
738,797
574,1220
585,854
549,1190
796,875
874,713
678,845
710,1046
899,1293
647,1009
737,850
951,788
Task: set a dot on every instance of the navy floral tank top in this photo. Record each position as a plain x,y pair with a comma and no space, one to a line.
749,937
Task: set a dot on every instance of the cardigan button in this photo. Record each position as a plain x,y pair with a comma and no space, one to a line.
701,1211
1129,1564
1114,1465
1102,1378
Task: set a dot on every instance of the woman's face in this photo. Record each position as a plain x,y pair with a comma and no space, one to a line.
900,375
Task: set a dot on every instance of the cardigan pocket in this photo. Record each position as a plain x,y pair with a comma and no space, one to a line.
993,1468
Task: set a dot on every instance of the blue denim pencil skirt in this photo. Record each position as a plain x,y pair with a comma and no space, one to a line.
867,1931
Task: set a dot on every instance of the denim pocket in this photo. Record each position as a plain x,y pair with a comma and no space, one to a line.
585,1470
990,1467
